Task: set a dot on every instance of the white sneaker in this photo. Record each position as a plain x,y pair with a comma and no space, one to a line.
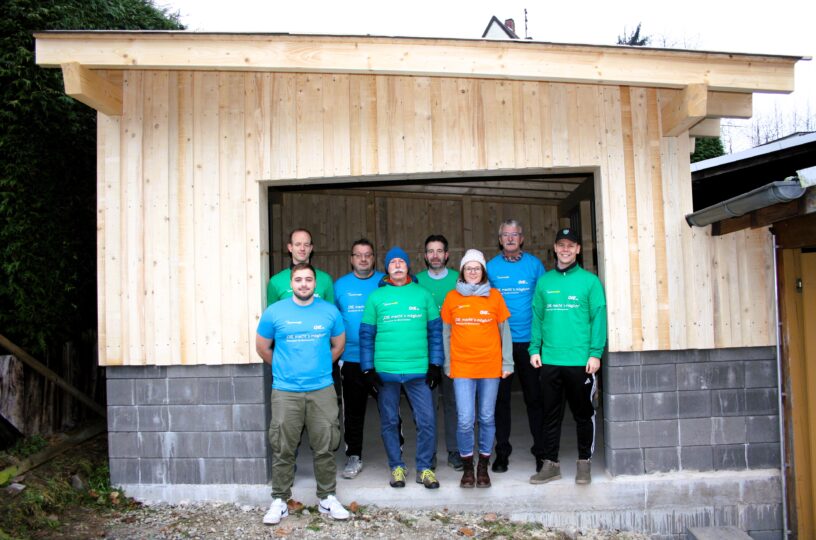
331,506
353,467
277,511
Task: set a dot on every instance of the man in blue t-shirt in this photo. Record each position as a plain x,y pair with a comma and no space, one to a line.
309,337
515,273
350,294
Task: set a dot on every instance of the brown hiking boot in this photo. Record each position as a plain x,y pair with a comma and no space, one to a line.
550,470
482,478
468,480
583,474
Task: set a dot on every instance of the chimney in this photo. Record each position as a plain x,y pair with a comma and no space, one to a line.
511,24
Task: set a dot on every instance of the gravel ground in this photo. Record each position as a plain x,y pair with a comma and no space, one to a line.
209,521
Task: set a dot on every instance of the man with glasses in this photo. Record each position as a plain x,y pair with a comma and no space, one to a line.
440,280
351,292
515,273
300,250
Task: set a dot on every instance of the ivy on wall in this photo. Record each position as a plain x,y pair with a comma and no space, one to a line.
48,172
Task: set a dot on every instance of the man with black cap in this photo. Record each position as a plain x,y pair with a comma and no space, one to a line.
568,336
401,348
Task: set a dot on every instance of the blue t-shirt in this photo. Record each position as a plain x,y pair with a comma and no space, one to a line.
350,295
516,281
301,361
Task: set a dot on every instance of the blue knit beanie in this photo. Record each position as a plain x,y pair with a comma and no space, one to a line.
397,252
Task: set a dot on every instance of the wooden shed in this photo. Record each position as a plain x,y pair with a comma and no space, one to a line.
211,147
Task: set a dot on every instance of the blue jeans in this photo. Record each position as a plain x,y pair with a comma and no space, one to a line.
483,392
422,403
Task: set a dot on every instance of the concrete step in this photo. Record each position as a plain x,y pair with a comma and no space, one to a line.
717,533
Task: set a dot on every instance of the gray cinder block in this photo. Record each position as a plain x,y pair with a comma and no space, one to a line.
625,461
659,433
622,380
150,391
622,434
661,459
660,406
250,471
694,404
119,391
696,458
622,407
762,428
249,389
761,401
658,378
729,402
729,457
153,418
200,417
183,391
123,445
216,390
248,417
123,418
761,517
760,374
763,456
728,430
124,471
695,431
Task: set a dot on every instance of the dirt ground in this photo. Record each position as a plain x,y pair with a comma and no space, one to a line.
50,507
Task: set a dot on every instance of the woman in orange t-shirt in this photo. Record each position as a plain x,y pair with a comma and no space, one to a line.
478,354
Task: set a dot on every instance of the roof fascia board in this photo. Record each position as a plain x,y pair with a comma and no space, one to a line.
513,60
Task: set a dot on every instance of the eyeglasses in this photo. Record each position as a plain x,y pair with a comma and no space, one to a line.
472,269
510,235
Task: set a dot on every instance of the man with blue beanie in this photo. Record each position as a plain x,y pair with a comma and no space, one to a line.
401,348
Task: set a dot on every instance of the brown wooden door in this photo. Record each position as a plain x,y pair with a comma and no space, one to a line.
798,317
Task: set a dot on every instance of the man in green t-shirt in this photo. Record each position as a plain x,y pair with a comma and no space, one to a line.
300,250
439,280
567,339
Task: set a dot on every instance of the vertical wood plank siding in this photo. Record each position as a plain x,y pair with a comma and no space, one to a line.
182,202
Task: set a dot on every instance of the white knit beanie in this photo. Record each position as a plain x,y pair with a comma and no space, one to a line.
472,255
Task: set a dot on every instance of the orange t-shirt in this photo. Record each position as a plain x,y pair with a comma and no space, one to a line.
475,343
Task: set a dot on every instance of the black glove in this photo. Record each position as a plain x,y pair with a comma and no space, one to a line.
434,376
373,381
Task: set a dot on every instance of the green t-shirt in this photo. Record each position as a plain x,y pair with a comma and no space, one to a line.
280,286
401,315
439,288
569,317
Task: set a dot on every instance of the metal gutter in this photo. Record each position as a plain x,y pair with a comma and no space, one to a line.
761,197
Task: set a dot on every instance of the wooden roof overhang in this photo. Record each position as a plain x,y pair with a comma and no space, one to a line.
699,87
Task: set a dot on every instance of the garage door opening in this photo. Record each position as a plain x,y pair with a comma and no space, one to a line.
468,211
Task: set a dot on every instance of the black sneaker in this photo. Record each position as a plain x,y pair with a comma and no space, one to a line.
539,463
455,461
501,463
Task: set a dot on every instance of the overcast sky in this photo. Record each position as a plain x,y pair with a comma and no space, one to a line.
784,27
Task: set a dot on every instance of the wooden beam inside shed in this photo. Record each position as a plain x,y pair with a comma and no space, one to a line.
91,89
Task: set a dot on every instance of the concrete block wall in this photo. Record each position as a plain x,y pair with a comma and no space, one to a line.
188,424
692,410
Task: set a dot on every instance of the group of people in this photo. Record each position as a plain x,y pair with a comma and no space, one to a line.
459,336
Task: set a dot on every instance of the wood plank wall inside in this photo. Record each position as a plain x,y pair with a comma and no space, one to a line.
336,218
183,239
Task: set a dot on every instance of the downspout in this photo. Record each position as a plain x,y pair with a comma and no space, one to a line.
780,393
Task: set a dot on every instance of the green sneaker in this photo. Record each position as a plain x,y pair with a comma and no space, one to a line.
398,477
428,479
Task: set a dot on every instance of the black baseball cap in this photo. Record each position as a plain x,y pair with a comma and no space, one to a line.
569,234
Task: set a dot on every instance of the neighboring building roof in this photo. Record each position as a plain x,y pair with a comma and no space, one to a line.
722,178
498,30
